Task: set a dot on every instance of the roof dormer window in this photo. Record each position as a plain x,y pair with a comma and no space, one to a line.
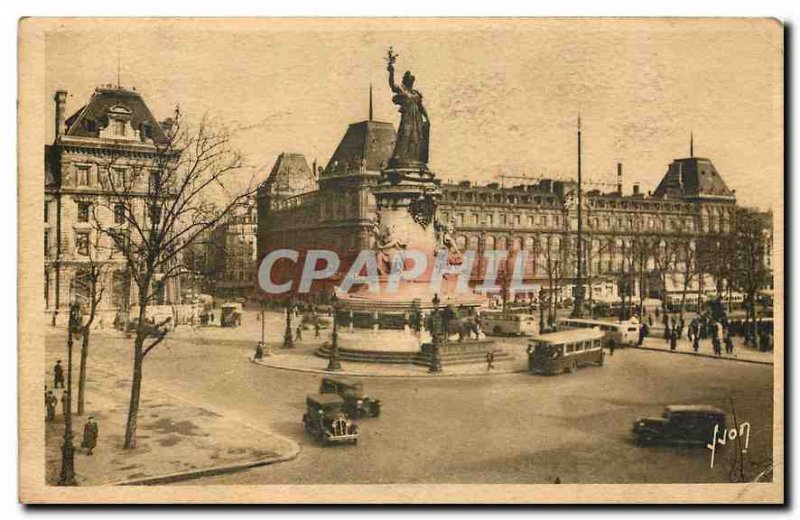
119,124
119,127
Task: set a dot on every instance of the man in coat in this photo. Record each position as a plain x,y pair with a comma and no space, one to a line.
50,401
90,433
58,375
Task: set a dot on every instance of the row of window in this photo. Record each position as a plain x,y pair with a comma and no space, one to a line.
498,198
82,242
504,219
84,212
88,175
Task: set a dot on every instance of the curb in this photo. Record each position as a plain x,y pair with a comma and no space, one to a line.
208,472
697,354
397,376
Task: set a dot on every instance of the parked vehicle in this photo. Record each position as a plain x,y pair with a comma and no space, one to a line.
356,404
565,351
311,319
680,424
499,323
619,334
231,314
326,421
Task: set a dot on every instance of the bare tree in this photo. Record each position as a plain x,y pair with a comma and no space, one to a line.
664,253
89,283
686,260
557,255
751,272
594,250
179,189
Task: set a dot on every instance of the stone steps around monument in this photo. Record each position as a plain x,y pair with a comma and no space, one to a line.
453,354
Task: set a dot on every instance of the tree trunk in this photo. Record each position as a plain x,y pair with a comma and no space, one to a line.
133,407
82,374
136,378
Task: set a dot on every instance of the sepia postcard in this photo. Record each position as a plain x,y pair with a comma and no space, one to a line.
401,260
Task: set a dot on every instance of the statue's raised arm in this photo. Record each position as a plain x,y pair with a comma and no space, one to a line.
391,57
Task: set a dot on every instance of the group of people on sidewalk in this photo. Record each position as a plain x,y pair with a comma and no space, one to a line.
703,327
90,429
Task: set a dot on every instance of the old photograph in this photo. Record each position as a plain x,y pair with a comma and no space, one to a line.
401,260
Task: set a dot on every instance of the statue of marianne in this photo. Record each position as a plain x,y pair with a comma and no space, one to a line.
411,146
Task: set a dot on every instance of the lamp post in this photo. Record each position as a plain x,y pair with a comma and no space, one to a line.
264,345
67,477
288,342
333,360
436,323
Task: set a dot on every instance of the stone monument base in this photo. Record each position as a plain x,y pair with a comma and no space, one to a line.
399,347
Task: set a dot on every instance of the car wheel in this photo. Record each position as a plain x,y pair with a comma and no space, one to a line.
376,410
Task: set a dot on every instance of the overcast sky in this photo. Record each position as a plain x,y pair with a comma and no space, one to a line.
502,98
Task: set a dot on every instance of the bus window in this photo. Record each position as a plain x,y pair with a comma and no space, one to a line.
570,348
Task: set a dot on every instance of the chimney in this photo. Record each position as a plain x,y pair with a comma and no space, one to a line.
619,178
61,106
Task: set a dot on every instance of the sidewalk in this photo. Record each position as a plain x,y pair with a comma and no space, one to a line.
177,440
684,346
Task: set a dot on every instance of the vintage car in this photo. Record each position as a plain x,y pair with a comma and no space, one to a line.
231,314
680,424
326,420
356,403
310,320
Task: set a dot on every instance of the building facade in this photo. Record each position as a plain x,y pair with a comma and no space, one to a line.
113,134
232,254
634,244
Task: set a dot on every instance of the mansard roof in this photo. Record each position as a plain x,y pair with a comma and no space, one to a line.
370,141
693,177
290,175
93,117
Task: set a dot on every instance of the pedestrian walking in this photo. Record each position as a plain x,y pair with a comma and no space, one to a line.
64,403
259,352
58,375
90,432
728,343
716,346
642,334
696,343
316,329
51,401
299,333
650,319
489,360
612,346
673,340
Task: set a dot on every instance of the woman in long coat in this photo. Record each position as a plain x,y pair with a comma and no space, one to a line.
90,432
